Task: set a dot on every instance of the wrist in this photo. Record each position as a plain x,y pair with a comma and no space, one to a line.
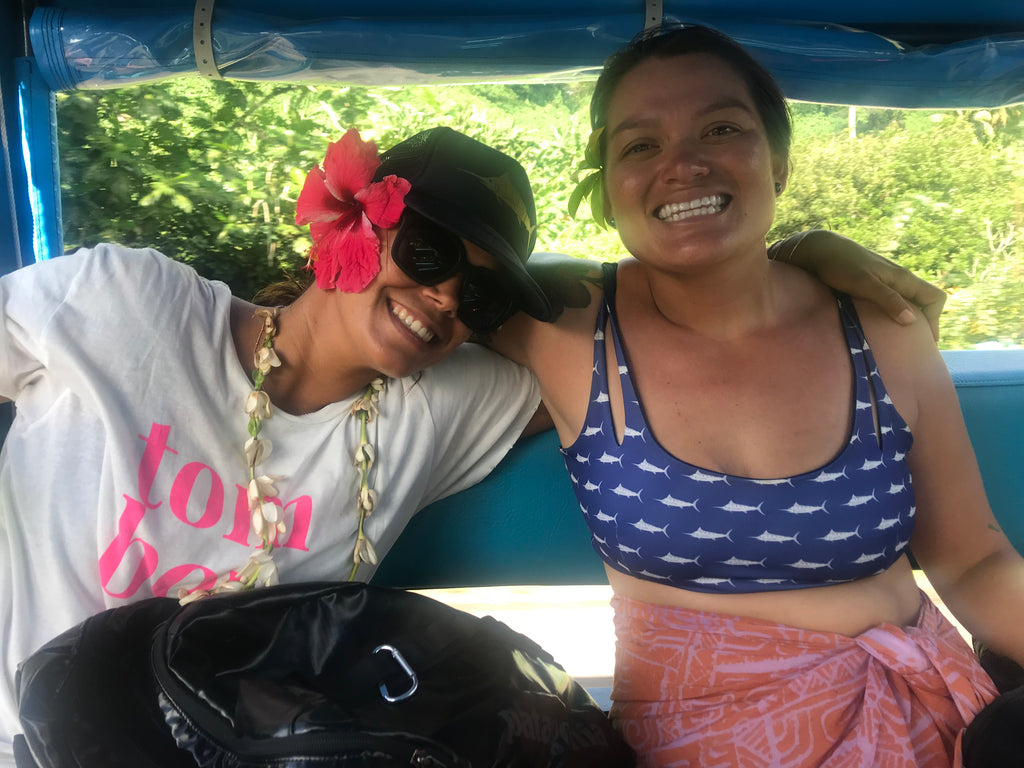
786,249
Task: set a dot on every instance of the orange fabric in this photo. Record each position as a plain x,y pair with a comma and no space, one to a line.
713,691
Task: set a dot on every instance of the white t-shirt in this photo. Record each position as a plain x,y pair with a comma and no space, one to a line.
123,476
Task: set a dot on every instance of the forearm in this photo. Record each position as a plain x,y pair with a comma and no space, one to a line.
784,250
988,600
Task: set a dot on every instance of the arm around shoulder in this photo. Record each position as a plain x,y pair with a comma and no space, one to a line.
850,267
568,283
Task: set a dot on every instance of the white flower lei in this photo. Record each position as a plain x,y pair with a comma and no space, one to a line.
260,569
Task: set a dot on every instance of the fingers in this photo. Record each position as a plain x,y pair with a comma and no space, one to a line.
929,298
890,299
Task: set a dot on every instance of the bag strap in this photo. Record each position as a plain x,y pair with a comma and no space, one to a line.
22,756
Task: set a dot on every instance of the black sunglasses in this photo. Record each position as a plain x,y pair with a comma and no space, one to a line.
430,255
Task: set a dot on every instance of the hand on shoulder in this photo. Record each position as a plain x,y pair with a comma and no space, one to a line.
565,279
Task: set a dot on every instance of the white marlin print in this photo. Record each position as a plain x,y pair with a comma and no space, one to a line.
860,501
775,538
870,465
866,558
619,490
893,488
607,458
671,501
805,509
605,517
805,564
704,477
828,477
630,432
746,563
834,535
589,486
629,550
733,506
670,558
700,533
581,459
591,431
886,523
710,581
643,525
650,575
646,466
602,397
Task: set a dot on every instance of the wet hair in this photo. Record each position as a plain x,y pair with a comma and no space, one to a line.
285,291
682,40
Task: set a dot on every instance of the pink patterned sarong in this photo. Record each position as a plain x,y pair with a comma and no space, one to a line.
716,691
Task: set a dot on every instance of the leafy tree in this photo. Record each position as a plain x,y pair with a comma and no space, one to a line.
208,172
937,198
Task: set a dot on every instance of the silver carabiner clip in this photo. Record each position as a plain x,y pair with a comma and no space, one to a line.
405,668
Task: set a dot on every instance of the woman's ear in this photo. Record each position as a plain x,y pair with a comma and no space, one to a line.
606,207
780,170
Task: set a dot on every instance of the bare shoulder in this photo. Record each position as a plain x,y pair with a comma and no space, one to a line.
560,352
574,287
887,337
907,357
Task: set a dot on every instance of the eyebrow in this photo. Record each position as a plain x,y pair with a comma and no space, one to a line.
715,106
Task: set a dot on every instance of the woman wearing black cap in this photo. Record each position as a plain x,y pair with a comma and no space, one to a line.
171,439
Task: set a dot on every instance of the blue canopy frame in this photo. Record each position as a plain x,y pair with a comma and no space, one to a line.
911,54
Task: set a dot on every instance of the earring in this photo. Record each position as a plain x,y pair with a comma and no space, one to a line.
778,187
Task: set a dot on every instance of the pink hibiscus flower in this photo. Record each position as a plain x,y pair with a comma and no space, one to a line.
342,207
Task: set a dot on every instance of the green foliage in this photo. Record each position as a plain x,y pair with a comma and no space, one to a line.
209,172
934,193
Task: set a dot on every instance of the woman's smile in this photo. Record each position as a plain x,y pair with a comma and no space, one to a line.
702,206
687,148
412,323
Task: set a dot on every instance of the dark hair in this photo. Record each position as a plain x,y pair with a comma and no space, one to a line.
669,42
285,291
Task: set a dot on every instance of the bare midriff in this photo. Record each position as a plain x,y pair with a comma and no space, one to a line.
849,609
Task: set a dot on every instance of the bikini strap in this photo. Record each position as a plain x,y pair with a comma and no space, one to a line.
871,395
633,410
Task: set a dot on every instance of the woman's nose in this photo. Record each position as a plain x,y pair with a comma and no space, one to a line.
445,294
685,160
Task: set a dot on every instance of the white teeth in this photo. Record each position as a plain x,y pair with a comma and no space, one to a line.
703,206
412,324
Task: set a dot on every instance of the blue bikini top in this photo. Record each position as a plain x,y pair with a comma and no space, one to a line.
657,518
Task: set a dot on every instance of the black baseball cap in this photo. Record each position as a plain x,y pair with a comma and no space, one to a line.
477,192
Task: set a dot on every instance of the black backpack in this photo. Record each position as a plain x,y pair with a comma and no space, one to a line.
331,675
